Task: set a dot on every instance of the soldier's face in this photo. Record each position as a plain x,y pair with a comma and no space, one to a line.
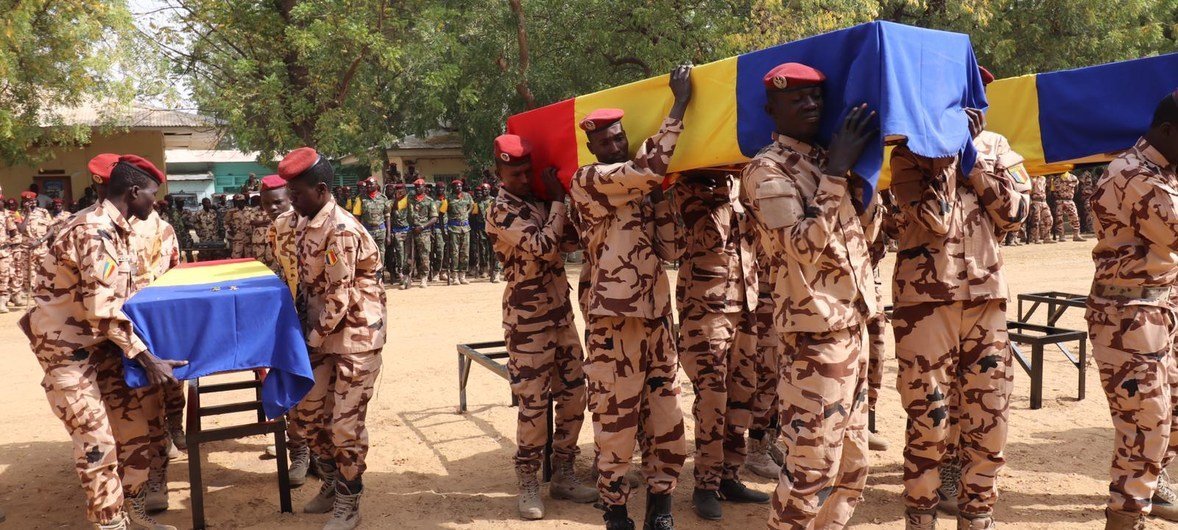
797,113
515,179
307,199
275,202
610,144
142,200
207,204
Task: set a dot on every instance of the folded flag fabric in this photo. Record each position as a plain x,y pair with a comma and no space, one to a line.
1080,115
224,316
918,80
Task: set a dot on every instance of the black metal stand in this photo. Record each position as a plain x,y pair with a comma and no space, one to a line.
475,352
1056,301
196,436
1036,337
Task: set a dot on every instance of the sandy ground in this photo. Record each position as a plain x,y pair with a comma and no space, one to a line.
432,468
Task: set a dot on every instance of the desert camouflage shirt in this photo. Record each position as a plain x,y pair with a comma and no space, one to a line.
205,224
156,248
281,236
718,270
1065,187
625,235
237,227
257,232
341,288
1039,189
36,226
950,225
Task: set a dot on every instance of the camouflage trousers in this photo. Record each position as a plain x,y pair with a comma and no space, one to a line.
6,273
823,393
437,251
170,404
546,363
422,243
632,369
1135,347
459,248
378,236
395,260
237,249
478,238
1042,214
875,358
18,271
954,381
766,410
1066,208
108,423
721,363
331,417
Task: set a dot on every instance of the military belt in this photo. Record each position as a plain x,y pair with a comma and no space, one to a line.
457,222
375,227
400,229
1148,294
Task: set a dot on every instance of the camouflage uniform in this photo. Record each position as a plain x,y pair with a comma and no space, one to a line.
8,232
950,317
478,239
1131,318
281,237
205,224
823,296
37,225
77,329
399,217
545,352
490,261
237,231
438,253
632,364
1040,211
179,222
343,302
766,409
1086,187
259,246
716,291
374,215
1065,204
458,221
420,212
877,249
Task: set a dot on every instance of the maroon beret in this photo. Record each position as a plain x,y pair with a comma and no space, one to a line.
987,77
28,195
601,118
296,162
145,166
273,182
101,165
792,75
512,149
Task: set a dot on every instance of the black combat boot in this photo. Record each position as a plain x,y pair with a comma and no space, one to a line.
617,518
706,504
733,490
658,512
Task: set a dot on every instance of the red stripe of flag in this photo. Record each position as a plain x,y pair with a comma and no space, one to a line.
553,136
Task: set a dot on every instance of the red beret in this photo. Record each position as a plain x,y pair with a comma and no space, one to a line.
273,182
792,75
455,182
28,195
145,166
238,197
419,182
101,165
512,149
58,201
485,186
601,118
296,162
987,77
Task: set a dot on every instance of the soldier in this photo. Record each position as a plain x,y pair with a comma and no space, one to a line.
251,186
178,218
59,216
873,221
258,224
18,270
89,198
423,215
490,261
542,342
8,235
1084,190
344,313
440,246
237,227
77,329
399,222
1040,212
627,229
374,215
950,323
764,453
1131,318
716,290
458,210
805,207
1065,205
204,222
478,226
37,223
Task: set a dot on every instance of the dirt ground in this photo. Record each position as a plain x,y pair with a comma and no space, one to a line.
432,468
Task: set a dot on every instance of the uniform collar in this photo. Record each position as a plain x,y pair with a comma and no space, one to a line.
511,198
328,210
793,144
1152,154
108,209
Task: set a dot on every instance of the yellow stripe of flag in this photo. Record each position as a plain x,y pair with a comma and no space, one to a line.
212,274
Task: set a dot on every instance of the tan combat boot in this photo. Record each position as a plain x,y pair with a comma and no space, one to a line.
495,277
566,486
345,514
176,433
1165,499
323,501
531,506
984,522
950,482
1123,521
4,304
1078,237
405,283
157,490
875,442
462,279
920,520
118,523
300,463
758,461
424,283
137,514
445,276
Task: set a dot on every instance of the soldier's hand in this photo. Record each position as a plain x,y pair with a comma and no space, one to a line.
977,122
681,83
849,141
159,371
552,184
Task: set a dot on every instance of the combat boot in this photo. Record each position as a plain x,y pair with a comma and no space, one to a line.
445,276
617,518
325,499
300,462
424,283
950,482
706,504
733,490
776,448
920,520
118,523
462,279
531,506
658,512
566,486
157,490
176,433
758,461
405,282
137,514
1078,237
1165,499
984,522
345,513
495,277
3,304
876,442
1123,521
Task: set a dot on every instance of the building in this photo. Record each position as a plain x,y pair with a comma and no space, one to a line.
195,174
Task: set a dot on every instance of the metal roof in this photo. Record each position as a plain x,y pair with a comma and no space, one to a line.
134,116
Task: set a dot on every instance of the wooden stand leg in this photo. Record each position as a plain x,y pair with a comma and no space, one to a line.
1036,376
283,467
198,487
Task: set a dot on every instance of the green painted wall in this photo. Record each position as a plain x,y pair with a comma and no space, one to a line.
229,177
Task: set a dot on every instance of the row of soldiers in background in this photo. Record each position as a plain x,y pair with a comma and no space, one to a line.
1056,200
26,229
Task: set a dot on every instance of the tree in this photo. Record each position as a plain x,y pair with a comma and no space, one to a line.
56,54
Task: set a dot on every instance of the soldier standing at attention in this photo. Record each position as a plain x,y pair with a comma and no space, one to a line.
628,230
344,315
764,452
490,261
423,214
717,289
178,218
458,210
440,248
8,235
80,335
1065,205
204,221
1085,187
36,234
807,211
236,227
545,351
397,259
258,224
1040,212
252,185
374,215
59,215
1131,318
950,323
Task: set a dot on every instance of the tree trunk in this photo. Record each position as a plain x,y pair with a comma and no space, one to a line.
521,35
